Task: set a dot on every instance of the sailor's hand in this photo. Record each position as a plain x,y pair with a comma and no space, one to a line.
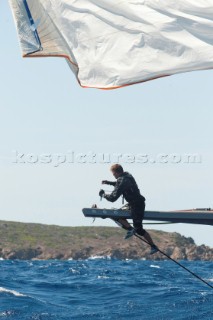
105,182
101,193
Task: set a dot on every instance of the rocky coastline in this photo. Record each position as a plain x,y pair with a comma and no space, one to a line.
28,241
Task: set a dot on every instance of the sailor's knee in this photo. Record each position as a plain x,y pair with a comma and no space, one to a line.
137,224
141,232
139,228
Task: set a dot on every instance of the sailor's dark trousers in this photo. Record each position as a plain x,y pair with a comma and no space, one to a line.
137,211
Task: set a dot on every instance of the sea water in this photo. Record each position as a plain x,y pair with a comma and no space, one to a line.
100,288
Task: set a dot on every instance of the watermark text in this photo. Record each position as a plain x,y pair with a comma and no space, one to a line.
91,157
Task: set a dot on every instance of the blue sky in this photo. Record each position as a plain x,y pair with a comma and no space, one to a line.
45,111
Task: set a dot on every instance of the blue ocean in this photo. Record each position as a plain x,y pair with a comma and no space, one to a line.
104,289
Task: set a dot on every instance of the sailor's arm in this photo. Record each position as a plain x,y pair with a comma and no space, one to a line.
117,192
111,183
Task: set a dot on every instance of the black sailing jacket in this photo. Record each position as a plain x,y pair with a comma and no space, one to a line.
126,186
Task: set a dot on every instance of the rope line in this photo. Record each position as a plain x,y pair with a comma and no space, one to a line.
155,223
179,264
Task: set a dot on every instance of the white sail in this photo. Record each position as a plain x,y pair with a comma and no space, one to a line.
111,44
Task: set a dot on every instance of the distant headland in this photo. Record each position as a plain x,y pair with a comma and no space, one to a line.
26,241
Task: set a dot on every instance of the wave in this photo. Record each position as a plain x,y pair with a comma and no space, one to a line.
154,266
18,294
103,277
13,292
65,290
99,257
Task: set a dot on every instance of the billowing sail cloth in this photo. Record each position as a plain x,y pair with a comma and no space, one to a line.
113,43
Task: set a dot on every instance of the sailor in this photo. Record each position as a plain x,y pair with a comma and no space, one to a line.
126,186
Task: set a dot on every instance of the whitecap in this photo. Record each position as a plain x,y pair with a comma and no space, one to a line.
95,257
15,293
72,270
6,313
99,257
154,266
103,277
